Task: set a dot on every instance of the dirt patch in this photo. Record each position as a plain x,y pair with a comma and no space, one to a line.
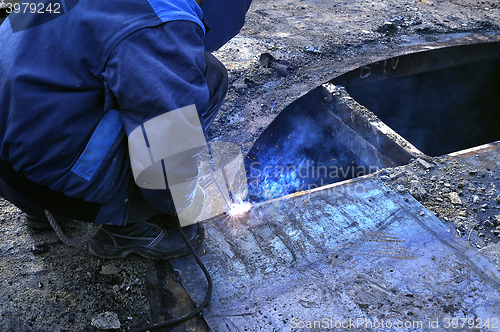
462,191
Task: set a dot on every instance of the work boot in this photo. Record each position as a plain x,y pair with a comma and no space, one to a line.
156,238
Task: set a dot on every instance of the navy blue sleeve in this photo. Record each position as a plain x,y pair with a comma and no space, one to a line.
155,71
225,18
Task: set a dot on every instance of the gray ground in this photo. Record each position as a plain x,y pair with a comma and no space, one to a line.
46,286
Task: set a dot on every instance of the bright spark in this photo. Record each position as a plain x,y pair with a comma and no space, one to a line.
237,209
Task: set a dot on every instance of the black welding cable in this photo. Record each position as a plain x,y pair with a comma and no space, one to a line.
197,309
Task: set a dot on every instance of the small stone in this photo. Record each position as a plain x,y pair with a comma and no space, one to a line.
462,214
400,188
397,175
385,178
475,198
106,321
472,172
417,190
422,213
498,199
460,185
433,178
497,220
109,269
383,172
39,248
454,198
424,163
439,199
484,206
240,84
312,49
489,223
267,60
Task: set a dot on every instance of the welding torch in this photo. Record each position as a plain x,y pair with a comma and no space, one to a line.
231,201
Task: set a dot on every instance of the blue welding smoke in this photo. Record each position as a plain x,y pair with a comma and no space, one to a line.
300,154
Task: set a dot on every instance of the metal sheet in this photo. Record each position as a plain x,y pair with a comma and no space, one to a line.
354,254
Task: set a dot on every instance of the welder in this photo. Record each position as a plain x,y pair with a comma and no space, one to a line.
104,106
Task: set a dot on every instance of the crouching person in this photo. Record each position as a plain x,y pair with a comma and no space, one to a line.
104,108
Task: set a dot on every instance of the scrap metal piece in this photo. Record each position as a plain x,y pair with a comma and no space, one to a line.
353,252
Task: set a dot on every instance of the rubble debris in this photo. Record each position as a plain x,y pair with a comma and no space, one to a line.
454,198
459,192
38,249
109,269
417,190
425,164
106,321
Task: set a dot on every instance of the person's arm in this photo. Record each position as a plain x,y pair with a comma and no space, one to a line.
156,75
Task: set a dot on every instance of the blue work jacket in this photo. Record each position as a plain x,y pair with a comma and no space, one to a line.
75,81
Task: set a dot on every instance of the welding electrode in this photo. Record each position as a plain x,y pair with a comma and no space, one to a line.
225,178
228,186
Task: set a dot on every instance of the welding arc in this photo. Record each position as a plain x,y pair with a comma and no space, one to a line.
197,309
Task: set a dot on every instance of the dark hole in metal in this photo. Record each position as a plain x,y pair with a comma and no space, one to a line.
441,101
299,151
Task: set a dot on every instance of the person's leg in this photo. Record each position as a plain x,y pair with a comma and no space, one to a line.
35,216
13,196
218,82
34,198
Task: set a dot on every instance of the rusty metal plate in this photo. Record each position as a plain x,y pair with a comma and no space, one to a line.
354,255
